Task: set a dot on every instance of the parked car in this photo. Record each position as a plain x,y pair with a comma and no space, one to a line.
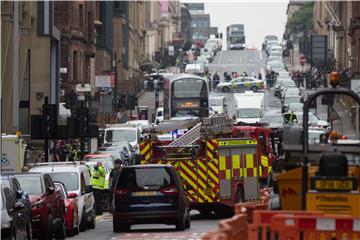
76,178
314,121
126,151
273,119
160,187
13,216
295,107
99,157
72,211
48,206
287,100
241,84
123,132
20,195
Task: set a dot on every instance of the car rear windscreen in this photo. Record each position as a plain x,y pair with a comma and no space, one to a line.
138,178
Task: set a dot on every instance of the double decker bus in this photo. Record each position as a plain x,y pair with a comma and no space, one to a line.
235,37
185,95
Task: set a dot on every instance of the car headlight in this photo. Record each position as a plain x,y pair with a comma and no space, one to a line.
5,225
39,204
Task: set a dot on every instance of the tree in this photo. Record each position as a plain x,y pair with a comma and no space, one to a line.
302,18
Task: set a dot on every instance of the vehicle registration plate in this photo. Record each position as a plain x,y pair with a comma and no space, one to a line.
144,193
346,185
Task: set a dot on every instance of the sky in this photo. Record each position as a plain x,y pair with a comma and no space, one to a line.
259,17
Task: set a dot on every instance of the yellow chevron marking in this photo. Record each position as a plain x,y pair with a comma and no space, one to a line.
145,149
213,166
199,190
210,146
202,173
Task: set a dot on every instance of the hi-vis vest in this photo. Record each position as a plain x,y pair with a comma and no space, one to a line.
98,178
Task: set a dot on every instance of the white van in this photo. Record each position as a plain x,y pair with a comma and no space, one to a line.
194,68
159,115
249,107
76,178
217,104
118,133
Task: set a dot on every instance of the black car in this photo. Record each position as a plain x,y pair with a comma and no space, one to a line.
150,194
13,216
20,196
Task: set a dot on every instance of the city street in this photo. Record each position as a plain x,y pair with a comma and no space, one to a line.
180,120
103,230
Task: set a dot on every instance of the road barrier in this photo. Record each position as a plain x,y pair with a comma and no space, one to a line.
252,222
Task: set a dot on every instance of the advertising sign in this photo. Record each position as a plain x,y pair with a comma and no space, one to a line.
105,81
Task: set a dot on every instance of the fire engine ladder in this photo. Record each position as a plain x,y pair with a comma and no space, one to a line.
215,123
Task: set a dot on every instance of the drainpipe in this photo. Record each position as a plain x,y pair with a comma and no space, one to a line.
15,99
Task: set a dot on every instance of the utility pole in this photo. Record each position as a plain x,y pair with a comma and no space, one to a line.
114,65
15,99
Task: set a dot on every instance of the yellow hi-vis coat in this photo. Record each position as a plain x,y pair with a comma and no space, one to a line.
98,178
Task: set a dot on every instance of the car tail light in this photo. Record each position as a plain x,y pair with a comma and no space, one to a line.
121,192
170,190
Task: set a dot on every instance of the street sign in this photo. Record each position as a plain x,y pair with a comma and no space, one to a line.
318,50
171,51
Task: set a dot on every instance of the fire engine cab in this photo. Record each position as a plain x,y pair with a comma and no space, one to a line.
219,164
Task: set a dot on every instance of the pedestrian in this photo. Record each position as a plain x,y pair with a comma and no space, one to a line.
97,182
54,153
114,174
259,76
62,151
216,80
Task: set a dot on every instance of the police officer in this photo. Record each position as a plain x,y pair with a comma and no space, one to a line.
97,181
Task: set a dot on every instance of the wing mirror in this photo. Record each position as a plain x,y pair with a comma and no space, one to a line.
19,194
72,195
18,206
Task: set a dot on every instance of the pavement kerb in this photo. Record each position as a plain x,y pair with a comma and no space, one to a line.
140,93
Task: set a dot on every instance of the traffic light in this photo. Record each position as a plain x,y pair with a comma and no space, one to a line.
122,101
83,120
35,130
71,128
49,121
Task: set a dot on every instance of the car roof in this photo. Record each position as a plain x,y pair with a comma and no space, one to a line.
97,155
122,126
150,166
57,167
272,112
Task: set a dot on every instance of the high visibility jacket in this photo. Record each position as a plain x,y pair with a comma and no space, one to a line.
97,179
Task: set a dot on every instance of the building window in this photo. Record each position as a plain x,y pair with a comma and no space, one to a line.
75,66
81,15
